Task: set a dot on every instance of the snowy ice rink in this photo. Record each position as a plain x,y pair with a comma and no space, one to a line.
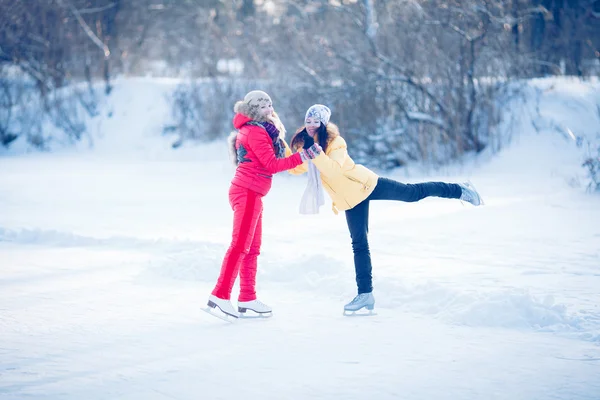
107,255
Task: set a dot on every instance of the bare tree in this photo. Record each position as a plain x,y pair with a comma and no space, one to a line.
415,77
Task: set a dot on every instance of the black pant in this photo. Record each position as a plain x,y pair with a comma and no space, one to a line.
358,218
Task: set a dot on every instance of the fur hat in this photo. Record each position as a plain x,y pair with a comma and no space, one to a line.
251,104
320,112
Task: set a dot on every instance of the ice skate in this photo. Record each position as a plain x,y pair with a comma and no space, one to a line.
257,309
221,308
470,194
363,300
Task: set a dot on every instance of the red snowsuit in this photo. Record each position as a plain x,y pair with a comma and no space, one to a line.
252,181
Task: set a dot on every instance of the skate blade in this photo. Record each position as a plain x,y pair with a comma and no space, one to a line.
219,314
255,315
481,202
359,313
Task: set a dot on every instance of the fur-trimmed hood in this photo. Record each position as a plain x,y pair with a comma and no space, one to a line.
332,131
241,107
240,119
252,114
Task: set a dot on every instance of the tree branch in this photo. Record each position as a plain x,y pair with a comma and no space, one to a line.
87,29
311,72
97,9
404,78
409,80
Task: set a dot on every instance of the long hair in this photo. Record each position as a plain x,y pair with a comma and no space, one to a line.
302,137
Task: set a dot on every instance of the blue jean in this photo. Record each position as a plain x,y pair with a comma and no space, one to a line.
358,218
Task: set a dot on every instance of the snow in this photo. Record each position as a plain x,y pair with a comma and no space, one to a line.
108,253
419,116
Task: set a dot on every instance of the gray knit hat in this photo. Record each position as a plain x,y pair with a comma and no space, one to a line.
320,112
251,104
257,98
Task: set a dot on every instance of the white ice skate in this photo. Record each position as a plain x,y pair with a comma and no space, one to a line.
470,194
363,300
225,311
260,309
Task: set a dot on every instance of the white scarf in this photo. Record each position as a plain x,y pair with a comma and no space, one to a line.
313,196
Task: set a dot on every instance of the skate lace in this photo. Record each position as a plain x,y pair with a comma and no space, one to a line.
359,298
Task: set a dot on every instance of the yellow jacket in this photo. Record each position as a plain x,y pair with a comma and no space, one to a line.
347,183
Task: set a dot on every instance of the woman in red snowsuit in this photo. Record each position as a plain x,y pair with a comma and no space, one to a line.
260,152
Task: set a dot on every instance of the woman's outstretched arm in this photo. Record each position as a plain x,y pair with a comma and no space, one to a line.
300,169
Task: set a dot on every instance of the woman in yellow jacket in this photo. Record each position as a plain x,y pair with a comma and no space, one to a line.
352,186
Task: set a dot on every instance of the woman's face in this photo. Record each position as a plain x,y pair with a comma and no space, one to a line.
266,109
312,125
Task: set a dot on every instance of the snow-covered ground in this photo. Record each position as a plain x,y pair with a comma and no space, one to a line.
107,256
